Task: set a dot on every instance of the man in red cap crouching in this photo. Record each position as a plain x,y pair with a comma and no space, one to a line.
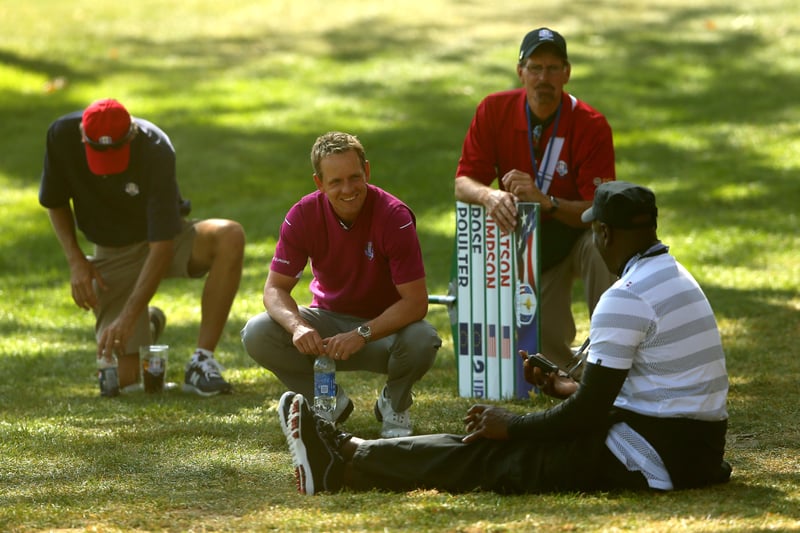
113,176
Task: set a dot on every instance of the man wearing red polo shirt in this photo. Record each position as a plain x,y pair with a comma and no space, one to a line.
543,145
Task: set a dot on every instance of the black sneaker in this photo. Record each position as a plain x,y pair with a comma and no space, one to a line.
158,320
314,444
203,376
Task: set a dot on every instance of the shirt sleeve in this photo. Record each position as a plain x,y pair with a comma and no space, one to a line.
54,189
402,246
620,323
163,205
478,153
587,409
291,252
596,160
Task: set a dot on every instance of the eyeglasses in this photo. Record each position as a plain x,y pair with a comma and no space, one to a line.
106,143
539,70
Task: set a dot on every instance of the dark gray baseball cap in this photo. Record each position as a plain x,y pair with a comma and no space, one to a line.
624,205
534,39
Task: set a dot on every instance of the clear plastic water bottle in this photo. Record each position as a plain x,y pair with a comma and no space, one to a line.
324,386
108,375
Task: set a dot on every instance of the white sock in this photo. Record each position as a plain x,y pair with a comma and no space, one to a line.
203,351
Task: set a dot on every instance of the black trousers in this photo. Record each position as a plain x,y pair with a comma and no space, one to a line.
514,466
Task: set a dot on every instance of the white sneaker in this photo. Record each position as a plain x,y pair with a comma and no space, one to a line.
394,424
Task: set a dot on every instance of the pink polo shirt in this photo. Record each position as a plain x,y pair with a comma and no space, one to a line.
355,270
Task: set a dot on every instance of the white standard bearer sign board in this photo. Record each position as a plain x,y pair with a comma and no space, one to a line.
495,284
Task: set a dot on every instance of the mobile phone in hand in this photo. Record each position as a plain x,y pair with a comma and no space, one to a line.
545,364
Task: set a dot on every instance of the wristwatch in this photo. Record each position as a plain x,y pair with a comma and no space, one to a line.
365,332
554,207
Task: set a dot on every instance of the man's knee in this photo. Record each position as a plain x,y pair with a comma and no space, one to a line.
261,337
229,240
421,342
217,239
232,235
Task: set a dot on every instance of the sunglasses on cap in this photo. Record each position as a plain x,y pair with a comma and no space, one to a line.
106,143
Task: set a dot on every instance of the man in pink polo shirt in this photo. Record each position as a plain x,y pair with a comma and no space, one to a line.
369,290
541,144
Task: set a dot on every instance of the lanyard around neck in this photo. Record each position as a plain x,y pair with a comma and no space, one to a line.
542,179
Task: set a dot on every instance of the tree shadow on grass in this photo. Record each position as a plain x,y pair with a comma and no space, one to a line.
255,174
239,172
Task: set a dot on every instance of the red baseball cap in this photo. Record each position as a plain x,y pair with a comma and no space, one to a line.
107,132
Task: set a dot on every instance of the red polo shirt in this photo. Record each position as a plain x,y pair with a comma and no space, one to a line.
581,157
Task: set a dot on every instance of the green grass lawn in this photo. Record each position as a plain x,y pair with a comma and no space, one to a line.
702,97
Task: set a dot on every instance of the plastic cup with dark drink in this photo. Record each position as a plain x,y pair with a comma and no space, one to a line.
154,366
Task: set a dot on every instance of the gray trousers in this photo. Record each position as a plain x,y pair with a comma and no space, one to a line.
516,466
404,356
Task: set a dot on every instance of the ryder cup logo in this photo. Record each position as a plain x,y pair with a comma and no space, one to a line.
526,305
369,252
546,35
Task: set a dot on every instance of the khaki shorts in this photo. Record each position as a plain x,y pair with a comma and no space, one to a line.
120,268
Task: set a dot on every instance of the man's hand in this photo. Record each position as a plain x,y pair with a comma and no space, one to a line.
551,383
307,340
522,185
488,422
342,345
114,338
82,274
502,207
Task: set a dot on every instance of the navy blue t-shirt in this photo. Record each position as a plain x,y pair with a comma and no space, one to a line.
142,203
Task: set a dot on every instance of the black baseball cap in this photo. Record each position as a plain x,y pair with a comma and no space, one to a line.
623,205
534,39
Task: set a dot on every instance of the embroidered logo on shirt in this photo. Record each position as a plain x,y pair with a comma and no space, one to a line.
369,252
561,168
132,189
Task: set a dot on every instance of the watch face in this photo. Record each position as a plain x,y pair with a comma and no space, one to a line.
364,331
